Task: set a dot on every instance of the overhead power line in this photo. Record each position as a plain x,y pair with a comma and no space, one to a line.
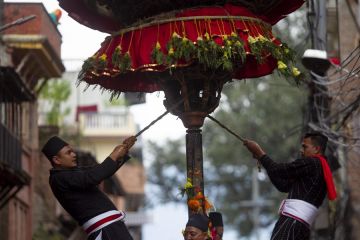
17,22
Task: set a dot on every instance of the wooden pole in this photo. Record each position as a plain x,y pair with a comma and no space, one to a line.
194,160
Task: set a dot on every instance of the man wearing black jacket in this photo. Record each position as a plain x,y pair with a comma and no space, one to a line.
307,181
76,189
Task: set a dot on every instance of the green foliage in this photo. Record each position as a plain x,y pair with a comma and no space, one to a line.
54,93
117,56
121,60
157,55
95,63
205,50
226,55
261,46
126,62
179,48
294,29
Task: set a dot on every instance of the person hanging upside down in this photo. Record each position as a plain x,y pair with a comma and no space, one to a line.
203,227
307,180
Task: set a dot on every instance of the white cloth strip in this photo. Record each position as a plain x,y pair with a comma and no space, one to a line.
100,217
99,237
104,225
299,210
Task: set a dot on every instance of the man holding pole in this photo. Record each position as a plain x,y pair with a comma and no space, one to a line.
76,189
307,180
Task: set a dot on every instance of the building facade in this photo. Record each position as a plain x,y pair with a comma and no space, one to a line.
29,56
349,42
100,133
341,88
94,126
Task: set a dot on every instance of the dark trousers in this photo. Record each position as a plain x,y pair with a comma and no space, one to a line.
287,228
114,231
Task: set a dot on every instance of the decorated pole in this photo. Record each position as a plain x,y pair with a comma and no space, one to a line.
200,93
194,159
189,50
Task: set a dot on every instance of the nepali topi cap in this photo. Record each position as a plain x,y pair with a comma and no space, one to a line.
199,221
53,146
216,219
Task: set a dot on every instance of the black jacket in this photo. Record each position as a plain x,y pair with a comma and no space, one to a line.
76,189
302,179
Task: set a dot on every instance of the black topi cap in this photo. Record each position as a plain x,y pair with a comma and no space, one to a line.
53,146
199,221
216,219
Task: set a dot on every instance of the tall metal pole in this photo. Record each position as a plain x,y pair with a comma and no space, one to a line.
319,32
319,42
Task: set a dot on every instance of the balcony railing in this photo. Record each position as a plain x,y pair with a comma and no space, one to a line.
10,149
12,177
107,124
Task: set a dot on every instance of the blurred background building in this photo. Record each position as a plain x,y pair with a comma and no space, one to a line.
343,33
30,55
30,59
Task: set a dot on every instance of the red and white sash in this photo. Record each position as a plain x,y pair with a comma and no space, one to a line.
299,210
102,220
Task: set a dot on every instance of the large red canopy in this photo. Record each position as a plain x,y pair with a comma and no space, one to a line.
138,41
99,16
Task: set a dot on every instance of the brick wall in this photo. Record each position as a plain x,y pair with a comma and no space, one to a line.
349,40
41,25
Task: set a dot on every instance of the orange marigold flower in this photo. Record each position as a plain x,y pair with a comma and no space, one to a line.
194,204
208,204
199,196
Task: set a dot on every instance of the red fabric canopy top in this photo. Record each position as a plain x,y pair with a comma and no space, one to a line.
92,16
192,24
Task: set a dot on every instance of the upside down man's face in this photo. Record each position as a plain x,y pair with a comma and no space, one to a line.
193,233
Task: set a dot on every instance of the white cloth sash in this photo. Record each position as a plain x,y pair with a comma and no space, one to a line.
99,237
102,220
299,210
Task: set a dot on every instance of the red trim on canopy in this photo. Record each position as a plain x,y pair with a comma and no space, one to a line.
139,43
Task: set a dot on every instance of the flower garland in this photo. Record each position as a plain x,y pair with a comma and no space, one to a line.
95,63
226,55
196,202
121,60
204,50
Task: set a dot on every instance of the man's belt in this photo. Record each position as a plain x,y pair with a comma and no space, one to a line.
299,210
102,220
